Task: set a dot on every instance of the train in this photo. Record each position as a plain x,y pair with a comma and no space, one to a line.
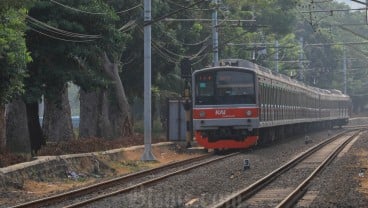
239,104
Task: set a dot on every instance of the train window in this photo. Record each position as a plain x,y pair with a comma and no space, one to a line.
235,87
225,87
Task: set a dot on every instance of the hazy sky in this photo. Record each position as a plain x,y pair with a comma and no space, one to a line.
352,4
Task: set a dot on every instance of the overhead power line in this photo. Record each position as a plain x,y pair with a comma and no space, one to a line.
333,10
340,43
128,26
94,13
353,32
77,10
58,31
173,12
171,56
179,5
360,2
130,9
54,37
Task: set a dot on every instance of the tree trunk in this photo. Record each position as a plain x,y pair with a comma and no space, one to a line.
119,111
17,134
57,121
94,120
34,127
88,114
2,128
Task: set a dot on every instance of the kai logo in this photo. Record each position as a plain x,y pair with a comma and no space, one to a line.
220,112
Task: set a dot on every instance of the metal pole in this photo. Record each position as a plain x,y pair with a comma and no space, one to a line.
344,58
300,74
277,55
366,11
215,33
147,155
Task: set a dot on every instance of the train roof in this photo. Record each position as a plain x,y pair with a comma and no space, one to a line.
260,70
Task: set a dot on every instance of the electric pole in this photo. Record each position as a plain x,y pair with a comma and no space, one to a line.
277,55
300,73
344,69
215,33
147,155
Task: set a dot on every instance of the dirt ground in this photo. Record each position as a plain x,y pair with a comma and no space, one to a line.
35,189
77,146
363,155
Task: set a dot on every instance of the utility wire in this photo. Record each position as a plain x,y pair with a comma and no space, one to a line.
128,26
77,10
191,44
179,5
54,37
169,55
130,9
58,31
172,13
198,43
94,13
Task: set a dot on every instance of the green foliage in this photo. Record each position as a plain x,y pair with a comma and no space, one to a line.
61,58
13,53
326,61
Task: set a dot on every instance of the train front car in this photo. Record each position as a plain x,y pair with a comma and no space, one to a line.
225,108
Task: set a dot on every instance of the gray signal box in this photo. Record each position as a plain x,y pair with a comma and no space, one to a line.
176,124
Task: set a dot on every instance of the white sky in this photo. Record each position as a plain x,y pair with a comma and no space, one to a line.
352,4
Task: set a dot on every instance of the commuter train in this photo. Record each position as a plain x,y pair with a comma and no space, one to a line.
240,104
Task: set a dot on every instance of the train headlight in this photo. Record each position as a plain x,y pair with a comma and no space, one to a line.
202,114
248,113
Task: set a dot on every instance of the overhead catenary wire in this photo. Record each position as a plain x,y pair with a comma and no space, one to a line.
77,10
201,59
191,44
130,9
173,12
172,56
55,30
128,26
54,37
94,13
182,6
198,43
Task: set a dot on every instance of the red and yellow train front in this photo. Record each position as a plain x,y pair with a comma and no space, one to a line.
225,109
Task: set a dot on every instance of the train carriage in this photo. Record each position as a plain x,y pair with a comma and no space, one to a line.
239,104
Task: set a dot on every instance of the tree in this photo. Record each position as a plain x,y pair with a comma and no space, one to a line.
72,51
13,57
17,129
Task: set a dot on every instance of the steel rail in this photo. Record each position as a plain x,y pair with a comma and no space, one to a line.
356,127
295,195
149,182
106,184
237,198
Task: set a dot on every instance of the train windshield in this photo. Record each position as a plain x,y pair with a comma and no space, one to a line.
218,87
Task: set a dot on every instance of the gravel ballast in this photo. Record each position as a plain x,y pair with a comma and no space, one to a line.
205,186
342,184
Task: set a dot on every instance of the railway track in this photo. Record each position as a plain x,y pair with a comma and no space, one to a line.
356,127
286,185
123,184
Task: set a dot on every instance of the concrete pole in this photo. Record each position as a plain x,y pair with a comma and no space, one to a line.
147,155
277,55
300,73
215,34
366,11
344,68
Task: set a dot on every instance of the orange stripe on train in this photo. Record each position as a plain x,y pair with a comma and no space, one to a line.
212,113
